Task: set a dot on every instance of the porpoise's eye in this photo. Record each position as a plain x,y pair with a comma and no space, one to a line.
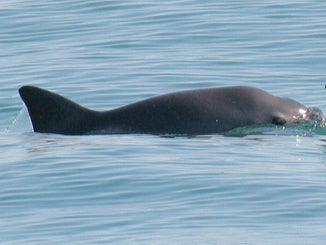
278,120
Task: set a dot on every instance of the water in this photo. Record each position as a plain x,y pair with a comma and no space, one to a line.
264,188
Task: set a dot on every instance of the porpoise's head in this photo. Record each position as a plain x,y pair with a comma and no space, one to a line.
290,111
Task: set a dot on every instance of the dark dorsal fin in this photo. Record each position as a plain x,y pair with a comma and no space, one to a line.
52,113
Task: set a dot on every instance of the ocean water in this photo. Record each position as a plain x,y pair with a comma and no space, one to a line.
267,187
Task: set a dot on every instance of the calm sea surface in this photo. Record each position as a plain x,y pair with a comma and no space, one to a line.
263,188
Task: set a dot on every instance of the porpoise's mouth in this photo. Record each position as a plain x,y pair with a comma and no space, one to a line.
308,115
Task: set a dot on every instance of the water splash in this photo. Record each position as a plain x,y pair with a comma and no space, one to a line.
21,123
306,128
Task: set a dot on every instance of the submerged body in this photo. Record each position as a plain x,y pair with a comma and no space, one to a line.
193,112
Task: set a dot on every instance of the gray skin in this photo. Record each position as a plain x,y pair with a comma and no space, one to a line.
193,112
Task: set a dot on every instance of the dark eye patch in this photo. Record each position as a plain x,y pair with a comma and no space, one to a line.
278,120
